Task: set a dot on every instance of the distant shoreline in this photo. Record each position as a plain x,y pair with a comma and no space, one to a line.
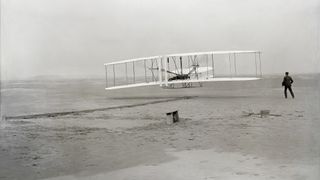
65,78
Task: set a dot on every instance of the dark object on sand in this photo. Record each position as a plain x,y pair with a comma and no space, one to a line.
172,117
263,113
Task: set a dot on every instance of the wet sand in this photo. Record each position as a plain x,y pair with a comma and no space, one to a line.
220,136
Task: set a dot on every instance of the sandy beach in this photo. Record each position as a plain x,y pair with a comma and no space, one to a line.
221,134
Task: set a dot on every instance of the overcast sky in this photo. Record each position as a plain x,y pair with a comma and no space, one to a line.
75,37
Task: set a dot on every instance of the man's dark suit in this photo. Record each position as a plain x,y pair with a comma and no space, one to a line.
287,81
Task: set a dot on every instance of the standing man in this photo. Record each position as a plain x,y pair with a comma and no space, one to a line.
287,81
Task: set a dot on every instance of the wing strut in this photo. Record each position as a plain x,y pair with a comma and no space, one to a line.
126,66
106,67
212,66
235,63
145,70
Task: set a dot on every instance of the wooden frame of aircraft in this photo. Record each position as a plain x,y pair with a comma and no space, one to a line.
184,69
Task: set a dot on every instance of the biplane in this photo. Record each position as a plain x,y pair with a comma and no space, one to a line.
184,70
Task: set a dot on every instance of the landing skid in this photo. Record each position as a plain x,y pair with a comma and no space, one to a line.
183,85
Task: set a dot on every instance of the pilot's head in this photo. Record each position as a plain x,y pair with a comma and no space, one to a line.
287,73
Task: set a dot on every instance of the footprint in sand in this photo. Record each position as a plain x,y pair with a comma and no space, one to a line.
151,164
210,177
205,161
241,173
299,111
